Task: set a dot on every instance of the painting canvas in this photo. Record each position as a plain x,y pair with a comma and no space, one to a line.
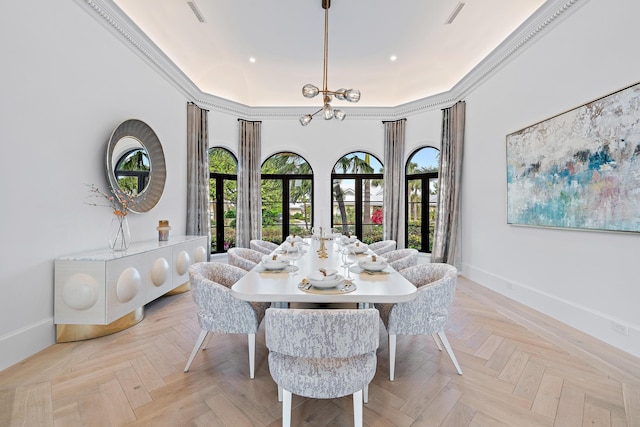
579,169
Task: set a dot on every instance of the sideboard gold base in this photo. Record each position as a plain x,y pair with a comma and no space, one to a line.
180,289
68,333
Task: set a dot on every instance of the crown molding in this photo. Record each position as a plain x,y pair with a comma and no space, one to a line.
115,20
532,29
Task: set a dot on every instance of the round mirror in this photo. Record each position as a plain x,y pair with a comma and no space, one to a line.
135,164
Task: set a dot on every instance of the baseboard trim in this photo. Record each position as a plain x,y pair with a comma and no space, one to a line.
27,341
591,322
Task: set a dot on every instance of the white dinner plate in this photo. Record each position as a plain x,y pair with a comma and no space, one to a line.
377,265
326,283
329,274
277,264
359,248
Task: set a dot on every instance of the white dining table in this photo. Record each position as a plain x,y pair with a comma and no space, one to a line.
263,285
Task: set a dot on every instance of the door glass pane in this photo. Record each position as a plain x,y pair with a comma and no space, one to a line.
229,206
344,217
414,214
300,207
212,214
433,205
272,210
371,210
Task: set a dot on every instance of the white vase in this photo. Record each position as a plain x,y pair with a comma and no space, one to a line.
119,233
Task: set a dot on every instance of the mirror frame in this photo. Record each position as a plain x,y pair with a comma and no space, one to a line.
140,131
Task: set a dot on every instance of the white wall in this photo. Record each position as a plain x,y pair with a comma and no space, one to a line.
66,84
586,279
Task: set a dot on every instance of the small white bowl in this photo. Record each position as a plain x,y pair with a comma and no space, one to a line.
277,264
349,239
359,248
323,282
329,274
296,239
377,265
292,247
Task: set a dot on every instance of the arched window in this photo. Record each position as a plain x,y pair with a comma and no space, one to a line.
223,196
357,191
422,197
287,197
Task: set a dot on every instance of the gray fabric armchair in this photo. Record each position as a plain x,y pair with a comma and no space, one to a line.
219,310
244,258
427,314
383,246
402,258
263,246
322,354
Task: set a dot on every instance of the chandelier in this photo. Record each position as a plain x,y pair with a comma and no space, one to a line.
309,90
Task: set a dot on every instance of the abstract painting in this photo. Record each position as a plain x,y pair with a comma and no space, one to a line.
579,169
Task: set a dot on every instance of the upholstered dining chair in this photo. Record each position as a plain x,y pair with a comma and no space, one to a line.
383,246
402,258
427,314
322,354
244,258
219,310
263,246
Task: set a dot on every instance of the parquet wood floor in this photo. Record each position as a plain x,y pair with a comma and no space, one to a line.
520,367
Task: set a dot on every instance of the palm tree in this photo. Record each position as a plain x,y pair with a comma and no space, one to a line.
338,194
352,164
290,164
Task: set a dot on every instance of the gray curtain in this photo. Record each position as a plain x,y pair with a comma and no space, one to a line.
446,240
249,213
197,172
394,174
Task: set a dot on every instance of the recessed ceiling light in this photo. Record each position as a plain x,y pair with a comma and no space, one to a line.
196,11
392,58
252,59
455,12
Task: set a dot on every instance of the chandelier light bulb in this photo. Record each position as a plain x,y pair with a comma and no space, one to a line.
339,115
340,94
352,95
309,90
327,112
304,120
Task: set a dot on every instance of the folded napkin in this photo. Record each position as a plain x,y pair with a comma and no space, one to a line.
317,276
374,259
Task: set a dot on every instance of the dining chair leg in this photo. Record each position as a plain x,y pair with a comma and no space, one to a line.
357,408
279,394
392,357
437,341
199,341
447,346
252,354
286,408
365,394
205,344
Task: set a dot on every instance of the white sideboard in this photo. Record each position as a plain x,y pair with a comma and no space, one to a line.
102,292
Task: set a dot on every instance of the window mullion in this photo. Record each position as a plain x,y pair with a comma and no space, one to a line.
358,206
285,207
220,215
